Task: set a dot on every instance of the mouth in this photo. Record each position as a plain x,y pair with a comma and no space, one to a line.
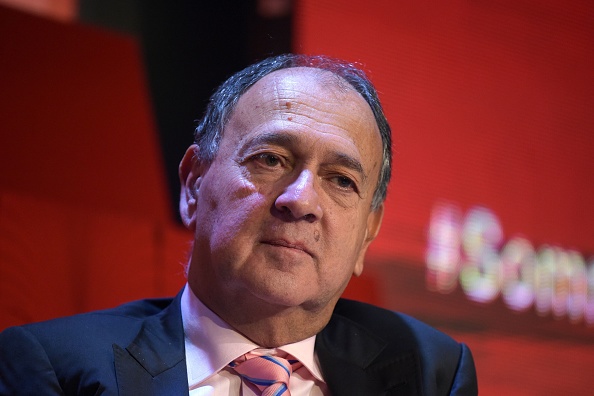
289,245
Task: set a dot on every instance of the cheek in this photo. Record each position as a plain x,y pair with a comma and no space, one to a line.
343,240
231,209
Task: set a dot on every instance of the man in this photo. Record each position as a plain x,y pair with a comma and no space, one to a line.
284,192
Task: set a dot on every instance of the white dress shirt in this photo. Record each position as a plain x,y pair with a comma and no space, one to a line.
211,344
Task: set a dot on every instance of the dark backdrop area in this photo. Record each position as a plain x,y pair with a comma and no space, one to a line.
189,48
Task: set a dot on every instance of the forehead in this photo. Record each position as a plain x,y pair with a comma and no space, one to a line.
310,86
308,100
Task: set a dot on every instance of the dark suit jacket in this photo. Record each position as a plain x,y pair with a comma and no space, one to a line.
138,349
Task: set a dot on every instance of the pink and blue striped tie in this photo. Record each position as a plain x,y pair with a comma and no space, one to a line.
270,374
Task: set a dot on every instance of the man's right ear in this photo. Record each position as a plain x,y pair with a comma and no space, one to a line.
191,170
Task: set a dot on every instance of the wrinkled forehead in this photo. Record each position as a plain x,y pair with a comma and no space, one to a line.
309,92
311,95
303,79
299,88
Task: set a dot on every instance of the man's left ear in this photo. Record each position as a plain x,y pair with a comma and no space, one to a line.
374,222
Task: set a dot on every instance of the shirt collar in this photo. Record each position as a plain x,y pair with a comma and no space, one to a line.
211,343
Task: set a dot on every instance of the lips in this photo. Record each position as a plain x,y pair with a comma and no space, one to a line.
286,244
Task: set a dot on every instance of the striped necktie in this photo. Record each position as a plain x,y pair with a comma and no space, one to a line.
270,374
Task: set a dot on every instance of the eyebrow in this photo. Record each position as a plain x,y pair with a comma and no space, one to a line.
348,162
277,139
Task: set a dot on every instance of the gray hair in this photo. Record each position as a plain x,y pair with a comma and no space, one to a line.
209,131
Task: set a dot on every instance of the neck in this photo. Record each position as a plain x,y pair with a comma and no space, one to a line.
284,327
268,325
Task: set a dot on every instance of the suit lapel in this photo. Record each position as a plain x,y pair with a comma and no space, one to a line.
354,361
154,363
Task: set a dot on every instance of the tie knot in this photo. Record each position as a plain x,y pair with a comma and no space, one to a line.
270,374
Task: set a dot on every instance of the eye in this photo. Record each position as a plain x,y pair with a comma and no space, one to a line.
344,182
269,160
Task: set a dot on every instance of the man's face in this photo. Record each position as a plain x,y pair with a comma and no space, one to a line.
282,216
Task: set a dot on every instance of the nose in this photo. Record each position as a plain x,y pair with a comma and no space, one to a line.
300,199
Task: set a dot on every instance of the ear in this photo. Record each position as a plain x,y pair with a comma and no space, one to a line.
191,170
374,222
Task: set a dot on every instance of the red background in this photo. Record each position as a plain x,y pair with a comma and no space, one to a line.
490,103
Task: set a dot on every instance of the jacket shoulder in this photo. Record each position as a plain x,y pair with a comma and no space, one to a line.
388,324
73,354
446,365
96,329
